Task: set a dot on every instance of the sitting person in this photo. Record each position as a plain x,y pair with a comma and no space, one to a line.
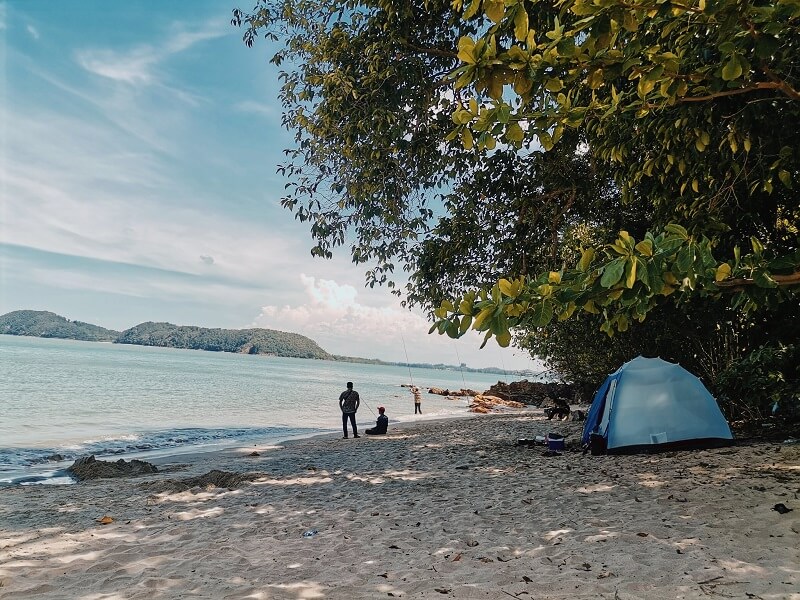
380,425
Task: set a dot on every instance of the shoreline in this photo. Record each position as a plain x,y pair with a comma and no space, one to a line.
49,473
448,508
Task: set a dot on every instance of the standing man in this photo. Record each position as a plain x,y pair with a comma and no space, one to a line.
349,403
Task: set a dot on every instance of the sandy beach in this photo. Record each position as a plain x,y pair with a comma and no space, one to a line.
445,509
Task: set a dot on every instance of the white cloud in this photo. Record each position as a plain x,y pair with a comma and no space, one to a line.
34,33
250,106
138,65
333,316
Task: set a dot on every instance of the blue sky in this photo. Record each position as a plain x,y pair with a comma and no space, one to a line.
138,153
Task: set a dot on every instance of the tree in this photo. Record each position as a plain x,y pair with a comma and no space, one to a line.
692,106
364,89
427,162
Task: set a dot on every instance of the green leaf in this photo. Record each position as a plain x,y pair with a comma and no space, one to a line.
541,314
630,272
514,133
763,280
521,23
645,247
723,272
677,230
587,256
506,287
732,69
554,85
612,272
504,339
465,323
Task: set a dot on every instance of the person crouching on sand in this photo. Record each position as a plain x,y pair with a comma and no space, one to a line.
381,424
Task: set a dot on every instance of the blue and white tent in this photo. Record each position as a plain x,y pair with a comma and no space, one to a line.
649,403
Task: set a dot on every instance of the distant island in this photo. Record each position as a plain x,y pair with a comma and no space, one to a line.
45,324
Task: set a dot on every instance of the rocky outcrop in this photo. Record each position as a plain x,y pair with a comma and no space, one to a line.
483,403
535,393
88,467
447,392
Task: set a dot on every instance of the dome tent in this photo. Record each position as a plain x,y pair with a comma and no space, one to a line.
649,403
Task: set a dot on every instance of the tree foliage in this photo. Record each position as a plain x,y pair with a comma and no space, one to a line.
364,90
41,323
246,341
551,168
693,107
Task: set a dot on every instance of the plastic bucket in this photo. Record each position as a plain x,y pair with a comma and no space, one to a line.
555,441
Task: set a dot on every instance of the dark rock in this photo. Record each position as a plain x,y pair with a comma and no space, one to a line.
88,467
535,393
55,457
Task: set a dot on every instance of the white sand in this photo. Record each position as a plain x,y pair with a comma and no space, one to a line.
449,509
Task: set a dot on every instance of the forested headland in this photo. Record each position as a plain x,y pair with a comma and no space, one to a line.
40,323
245,341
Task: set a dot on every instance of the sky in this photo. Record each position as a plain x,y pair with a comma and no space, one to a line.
139,143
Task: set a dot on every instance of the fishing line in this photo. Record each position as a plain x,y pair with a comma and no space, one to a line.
460,365
408,364
367,405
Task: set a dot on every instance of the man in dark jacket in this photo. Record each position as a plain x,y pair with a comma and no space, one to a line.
381,425
349,403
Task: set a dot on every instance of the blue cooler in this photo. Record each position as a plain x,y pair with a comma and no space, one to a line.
555,441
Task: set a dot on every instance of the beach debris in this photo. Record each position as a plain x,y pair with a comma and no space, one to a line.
782,508
443,590
310,533
254,453
606,574
642,534
457,558
88,467
104,520
472,543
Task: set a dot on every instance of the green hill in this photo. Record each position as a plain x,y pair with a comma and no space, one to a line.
41,323
246,341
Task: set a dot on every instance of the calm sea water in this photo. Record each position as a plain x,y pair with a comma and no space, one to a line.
69,398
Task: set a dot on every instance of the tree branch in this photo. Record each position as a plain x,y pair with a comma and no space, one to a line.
742,282
782,86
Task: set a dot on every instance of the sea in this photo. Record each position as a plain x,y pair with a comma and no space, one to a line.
63,399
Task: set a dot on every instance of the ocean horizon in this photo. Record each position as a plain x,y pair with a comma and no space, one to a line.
63,399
